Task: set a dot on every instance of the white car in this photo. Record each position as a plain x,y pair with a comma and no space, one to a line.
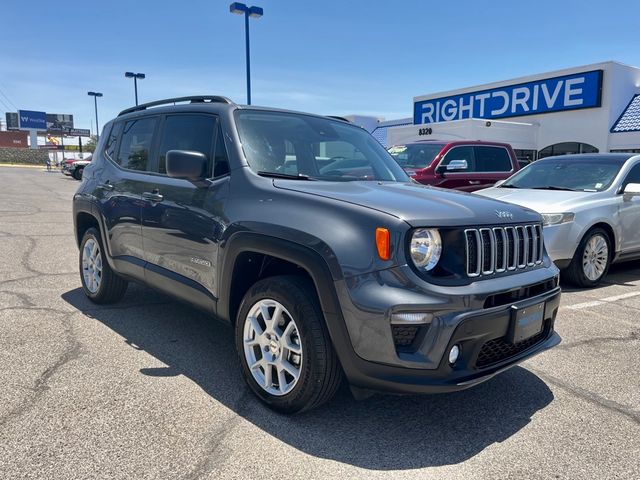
590,204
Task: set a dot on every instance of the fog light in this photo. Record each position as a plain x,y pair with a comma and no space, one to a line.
411,318
454,353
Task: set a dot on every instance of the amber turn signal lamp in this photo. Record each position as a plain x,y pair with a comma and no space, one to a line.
383,243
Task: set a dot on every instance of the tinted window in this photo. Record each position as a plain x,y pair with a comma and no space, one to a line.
112,140
416,155
221,160
187,132
321,148
633,176
460,153
492,159
136,144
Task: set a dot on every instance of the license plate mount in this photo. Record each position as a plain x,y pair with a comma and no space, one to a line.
526,322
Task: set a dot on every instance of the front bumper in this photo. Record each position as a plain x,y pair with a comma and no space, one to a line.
561,242
374,362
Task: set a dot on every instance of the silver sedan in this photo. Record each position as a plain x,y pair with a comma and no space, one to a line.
590,205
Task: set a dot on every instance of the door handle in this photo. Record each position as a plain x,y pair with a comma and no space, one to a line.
474,182
153,196
106,186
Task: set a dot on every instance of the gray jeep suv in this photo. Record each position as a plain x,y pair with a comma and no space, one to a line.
306,236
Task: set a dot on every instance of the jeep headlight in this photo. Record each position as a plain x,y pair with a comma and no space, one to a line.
557,218
425,248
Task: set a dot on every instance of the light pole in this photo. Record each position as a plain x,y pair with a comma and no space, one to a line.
95,96
255,12
135,77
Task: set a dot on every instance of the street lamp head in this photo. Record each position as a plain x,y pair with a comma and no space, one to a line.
94,94
238,8
139,76
256,12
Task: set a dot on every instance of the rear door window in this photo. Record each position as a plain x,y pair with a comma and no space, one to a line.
492,159
193,132
135,145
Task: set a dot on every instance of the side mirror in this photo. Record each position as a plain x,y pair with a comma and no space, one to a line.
499,182
186,164
455,165
631,190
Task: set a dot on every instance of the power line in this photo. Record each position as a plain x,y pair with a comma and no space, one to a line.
6,106
8,99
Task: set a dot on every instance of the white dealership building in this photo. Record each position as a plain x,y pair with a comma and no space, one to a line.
593,108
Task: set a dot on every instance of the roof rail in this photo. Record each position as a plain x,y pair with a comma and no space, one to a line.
336,117
192,99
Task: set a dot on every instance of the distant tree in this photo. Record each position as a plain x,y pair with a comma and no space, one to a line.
90,145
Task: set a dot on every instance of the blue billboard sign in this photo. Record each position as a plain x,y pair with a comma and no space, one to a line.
567,92
29,120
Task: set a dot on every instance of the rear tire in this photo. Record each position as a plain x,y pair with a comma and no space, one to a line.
77,173
591,261
100,283
286,355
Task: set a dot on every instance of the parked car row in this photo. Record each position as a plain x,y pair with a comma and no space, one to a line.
73,167
590,203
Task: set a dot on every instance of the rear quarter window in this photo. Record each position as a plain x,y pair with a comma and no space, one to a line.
135,145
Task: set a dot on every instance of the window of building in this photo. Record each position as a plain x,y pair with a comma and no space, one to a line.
566,148
190,132
492,159
136,144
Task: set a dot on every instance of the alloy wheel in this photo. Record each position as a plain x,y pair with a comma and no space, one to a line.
92,265
595,257
272,347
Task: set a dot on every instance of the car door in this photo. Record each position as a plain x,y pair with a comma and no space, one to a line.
630,214
493,163
182,221
119,194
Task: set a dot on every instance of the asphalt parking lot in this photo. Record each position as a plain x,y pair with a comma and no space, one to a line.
151,388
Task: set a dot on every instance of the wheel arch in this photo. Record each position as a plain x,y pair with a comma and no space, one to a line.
276,256
613,238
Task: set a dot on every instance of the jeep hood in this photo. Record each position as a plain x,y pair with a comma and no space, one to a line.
418,205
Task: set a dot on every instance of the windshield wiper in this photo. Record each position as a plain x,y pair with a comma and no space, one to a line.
554,187
504,185
300,176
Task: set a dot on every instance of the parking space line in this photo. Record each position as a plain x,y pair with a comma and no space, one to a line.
602,301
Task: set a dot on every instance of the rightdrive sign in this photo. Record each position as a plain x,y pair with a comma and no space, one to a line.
567,92
30,120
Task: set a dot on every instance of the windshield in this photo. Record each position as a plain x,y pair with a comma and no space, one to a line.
578,174
308,147
416,155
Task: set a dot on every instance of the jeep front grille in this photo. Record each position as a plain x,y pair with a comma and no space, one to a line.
501,249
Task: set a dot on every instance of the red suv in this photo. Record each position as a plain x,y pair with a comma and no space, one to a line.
461,165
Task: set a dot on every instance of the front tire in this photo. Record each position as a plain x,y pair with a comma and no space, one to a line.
77,173
591,261
99,282
286,355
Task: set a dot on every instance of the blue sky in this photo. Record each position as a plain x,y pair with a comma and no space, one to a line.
328,57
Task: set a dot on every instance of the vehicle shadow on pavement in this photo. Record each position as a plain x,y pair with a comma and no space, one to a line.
382,433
